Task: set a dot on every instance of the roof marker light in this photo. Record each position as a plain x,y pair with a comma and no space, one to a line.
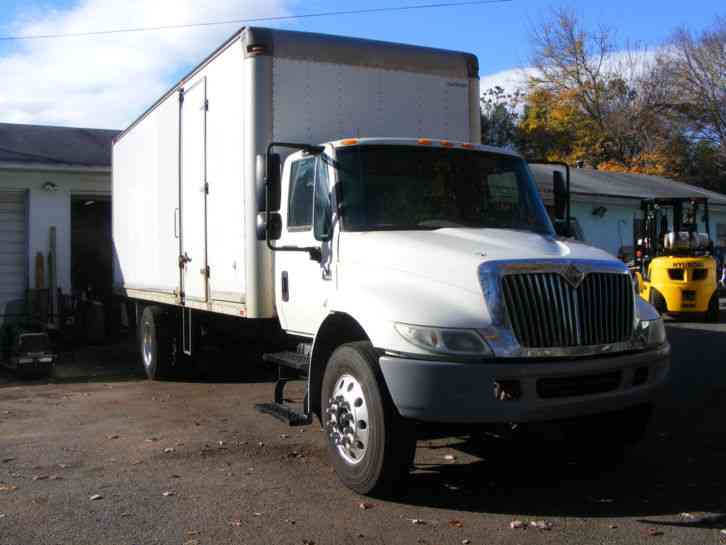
349,142
424,141
446,144
467,146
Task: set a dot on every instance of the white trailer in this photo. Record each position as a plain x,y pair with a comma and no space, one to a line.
188,171
414,273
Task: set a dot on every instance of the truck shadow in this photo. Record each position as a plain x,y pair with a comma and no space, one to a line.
677,469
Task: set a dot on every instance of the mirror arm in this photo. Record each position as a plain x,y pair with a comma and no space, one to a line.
568,214
314,251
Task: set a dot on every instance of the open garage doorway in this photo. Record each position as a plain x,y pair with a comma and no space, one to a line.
91,267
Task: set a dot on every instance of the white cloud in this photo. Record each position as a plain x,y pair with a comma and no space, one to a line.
106,81
509,80
630,63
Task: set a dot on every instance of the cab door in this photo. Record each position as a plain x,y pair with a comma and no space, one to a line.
303,285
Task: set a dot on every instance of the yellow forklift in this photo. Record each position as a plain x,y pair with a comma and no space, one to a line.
674,264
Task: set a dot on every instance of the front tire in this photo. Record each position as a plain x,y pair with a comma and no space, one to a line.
370,445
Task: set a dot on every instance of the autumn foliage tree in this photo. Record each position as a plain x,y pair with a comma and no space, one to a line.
621,107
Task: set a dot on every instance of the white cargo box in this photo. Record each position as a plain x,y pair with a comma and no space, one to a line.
186,180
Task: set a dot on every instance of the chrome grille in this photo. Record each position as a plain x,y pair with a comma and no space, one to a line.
547,312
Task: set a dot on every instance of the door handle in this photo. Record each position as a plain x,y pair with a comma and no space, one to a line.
285,287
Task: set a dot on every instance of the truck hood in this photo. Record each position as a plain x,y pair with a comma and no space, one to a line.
451,256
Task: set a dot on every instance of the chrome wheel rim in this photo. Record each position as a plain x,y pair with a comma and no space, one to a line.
146,343
347,420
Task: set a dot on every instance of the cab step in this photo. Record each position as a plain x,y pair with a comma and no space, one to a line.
290,366
285,413
299,362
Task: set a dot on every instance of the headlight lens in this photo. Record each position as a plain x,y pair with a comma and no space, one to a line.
446,341
651,332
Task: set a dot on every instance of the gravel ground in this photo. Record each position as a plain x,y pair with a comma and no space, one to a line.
100,456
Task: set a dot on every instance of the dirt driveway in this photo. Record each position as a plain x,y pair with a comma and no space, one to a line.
119,460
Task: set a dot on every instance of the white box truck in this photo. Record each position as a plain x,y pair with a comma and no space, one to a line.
415,273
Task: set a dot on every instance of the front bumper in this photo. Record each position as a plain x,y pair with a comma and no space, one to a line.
453,392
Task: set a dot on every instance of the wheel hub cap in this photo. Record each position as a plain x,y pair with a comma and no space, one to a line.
347,419
146,343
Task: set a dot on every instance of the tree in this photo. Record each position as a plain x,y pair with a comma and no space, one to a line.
499,117
694,70
609,93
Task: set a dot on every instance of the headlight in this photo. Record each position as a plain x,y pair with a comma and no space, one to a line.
651,332
445,341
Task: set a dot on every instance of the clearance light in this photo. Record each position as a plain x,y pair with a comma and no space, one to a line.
446,144
467,146
349,142
424,141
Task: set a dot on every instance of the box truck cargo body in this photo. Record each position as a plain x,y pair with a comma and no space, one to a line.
188,171
333,192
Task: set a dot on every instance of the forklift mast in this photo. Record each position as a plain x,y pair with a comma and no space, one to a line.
654,225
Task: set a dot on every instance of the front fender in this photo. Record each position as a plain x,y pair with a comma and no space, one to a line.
377,298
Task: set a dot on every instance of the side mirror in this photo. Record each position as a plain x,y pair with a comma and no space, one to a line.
561,196
273,224
273,178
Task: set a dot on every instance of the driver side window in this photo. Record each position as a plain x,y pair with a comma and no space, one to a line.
300,203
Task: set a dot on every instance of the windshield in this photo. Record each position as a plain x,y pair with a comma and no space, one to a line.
416,187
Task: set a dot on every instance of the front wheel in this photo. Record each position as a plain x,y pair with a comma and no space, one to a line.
370,445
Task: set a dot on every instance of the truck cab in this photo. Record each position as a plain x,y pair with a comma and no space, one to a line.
427,284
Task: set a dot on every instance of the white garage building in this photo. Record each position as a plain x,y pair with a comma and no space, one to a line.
55,183
605,204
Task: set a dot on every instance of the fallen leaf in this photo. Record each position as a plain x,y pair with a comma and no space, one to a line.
236,523
688,516
55,478
456,524
257,514
168,450
517,524
450,457
541,524
365,505
418,521
96,497
308,542
8,487
40,477
653,532
124,515
284,436
168,493
613,526
465,541
113,436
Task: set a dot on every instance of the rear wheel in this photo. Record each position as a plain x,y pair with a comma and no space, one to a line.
713,312
156,339
370,445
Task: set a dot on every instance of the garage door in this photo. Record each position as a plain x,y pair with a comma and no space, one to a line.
13,238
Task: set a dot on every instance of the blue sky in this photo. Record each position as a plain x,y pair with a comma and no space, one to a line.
497,33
